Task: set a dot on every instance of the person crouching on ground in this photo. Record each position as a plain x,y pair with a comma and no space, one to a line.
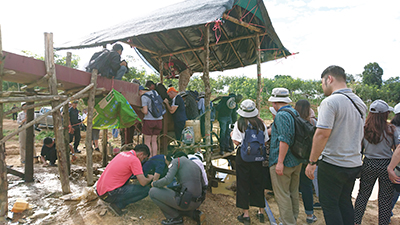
49,152
191,194
249,175
114,187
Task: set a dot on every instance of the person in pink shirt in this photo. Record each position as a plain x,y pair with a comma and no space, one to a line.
114,186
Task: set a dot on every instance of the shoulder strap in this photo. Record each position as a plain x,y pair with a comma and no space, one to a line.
289,111
351,102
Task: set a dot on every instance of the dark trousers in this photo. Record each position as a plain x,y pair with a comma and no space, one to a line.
179,126
249,185
76,135
306,191
224,132
14,115
335,188
127,194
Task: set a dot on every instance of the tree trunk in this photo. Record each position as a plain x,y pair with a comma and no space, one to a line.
104,148
258,73
30,148
57,124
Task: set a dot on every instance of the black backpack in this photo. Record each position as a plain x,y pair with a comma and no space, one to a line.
303,138
157,106
99,62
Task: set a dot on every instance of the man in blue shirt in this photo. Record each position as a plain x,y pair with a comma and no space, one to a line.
157,166
284,167
177,109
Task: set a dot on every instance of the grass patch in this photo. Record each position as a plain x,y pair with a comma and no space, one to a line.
43,134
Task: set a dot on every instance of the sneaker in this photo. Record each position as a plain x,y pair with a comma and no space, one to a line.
199,216
77,151
261,217
245,220
313,219
115,209
317,205
177,220
97,149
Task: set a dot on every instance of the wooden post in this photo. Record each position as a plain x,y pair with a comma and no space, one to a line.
58,126
206,81
104,147
29,146
3,166
89,149
66,122
258,73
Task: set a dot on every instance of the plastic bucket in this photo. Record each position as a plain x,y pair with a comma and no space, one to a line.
196,128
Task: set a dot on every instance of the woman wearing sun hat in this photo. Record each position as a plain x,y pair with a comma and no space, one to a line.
380,138
249,175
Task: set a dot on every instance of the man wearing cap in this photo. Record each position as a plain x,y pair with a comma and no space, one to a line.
190,105
284,167
177,109
74,126
152,126
340,130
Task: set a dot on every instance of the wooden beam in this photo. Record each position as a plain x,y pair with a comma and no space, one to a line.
161,69
241,23
104,148
88,143
258,48
15,173
213,44
188,44
65,121
57,121
206,81
217,169
33,98
234,50
3,166
36,83
29,144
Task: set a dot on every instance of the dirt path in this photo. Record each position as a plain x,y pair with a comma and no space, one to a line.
48,208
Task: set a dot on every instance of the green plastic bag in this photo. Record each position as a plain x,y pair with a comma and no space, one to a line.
113,112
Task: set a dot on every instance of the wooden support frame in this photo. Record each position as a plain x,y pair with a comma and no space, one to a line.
57,122
241,23
3,166
36,83
259,79
233,48
188,44
104,148
36,98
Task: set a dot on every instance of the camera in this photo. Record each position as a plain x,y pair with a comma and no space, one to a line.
231,126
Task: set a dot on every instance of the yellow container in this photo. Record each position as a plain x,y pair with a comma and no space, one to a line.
196,128
20,205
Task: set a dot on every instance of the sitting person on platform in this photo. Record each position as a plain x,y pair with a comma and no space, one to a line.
114,186
177,109
49,152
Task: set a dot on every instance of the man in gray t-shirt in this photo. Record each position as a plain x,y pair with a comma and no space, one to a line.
337,140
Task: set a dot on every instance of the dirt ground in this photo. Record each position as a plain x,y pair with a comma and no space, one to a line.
47,207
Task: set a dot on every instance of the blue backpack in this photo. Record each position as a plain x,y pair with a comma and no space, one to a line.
253,145
157,106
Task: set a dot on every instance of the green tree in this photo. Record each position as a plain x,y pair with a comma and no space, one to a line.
372,74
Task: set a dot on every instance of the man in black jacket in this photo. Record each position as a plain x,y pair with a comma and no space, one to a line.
108,63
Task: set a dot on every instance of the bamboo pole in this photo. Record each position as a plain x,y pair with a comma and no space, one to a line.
161,68
37,98
57,122
65,116
206,80
25,107
76,96
29,145
104,147
258,73
3,166
68,59
241,23
36,83
89,149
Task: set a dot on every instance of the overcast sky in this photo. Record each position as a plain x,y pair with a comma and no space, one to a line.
348,33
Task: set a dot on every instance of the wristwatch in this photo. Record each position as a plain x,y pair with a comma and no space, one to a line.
312,163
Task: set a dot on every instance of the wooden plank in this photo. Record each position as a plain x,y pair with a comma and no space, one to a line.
33,98
29,146
36,83
3,166
89,148
222,170
58,126
104,147
15,173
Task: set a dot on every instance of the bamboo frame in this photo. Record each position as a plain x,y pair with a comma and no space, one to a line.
188,44
241,23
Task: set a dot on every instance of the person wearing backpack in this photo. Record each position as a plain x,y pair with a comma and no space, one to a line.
108,63
340,130
380,139
250,133
153,110
178,111
284,166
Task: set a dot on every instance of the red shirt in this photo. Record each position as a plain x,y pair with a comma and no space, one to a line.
118,172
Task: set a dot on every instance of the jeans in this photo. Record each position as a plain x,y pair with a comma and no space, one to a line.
224,132
120,73
76,135
127,194
306,192
335,188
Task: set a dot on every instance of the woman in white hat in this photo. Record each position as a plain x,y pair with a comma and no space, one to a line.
380,138
249,175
